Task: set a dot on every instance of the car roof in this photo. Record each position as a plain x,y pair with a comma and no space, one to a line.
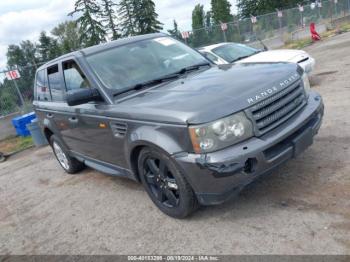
101,47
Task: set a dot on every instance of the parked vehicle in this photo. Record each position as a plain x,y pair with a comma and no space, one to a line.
226,53
154,110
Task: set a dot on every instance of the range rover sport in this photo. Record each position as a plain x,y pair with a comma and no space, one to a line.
154,110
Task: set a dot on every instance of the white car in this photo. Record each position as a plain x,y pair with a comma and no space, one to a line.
226,53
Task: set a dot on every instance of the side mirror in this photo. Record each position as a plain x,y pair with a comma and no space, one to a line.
83,96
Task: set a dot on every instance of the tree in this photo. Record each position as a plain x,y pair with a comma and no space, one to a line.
259,7
48,48
221,11
175,32
138,17
92,31
146,18
127,17
68,36
109,17
198,22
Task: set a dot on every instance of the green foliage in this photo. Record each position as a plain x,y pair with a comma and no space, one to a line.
109,18
127,17
221,11
68,36
260,7
8,99
175,31
147,18
91,29
200,36
48,47
138,17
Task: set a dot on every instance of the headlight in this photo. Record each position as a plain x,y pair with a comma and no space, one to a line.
220,134
306,82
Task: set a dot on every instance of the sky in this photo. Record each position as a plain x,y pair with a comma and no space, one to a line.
25,19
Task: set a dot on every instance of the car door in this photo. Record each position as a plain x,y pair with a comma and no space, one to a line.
88,132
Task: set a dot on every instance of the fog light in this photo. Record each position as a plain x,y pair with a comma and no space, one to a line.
206,144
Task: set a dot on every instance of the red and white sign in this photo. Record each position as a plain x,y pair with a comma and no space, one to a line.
301,8
254,19
223,26
11,75
185,35
279,13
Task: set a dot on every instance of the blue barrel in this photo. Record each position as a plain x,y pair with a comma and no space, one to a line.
20,123
39,138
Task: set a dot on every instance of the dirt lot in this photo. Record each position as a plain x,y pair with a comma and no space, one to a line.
303,208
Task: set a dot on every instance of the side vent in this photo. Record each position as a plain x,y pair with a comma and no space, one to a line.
119,129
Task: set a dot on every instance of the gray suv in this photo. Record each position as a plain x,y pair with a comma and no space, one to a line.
154,110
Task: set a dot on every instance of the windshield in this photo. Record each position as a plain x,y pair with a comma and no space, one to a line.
143,61
233,52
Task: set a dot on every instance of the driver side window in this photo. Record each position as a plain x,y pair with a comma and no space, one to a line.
73,76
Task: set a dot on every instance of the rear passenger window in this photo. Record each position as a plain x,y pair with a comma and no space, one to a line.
74,77
42,89
55,83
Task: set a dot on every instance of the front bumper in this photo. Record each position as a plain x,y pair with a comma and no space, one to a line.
215,177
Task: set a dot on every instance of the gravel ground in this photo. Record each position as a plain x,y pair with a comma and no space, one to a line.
302,208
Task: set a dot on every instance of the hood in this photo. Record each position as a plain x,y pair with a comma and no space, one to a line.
208,95
285,55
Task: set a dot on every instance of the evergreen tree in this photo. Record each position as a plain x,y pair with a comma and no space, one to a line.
127,17
68,36
146,18
109,18
138,17
198,22
92,31
48,48
221,11
175,32
260,7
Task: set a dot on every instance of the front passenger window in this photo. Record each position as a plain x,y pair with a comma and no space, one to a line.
74,77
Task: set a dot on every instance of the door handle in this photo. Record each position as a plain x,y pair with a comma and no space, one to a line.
73,120
49,115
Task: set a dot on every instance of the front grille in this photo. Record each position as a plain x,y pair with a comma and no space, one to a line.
273,111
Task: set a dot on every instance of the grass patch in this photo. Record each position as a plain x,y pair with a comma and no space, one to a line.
299,44
17,143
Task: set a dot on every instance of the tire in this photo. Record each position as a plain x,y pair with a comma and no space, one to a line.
165,184
68,163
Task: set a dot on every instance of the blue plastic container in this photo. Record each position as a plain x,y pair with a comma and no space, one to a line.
20,123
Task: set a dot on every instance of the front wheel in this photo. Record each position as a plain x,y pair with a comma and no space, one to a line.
68,163
165,184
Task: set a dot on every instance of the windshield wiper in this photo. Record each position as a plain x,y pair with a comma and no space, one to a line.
147,83
240,58
192,68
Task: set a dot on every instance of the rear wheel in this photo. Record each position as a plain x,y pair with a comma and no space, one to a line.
68,163
165,184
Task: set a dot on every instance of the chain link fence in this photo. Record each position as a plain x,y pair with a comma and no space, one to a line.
16,95
276,29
